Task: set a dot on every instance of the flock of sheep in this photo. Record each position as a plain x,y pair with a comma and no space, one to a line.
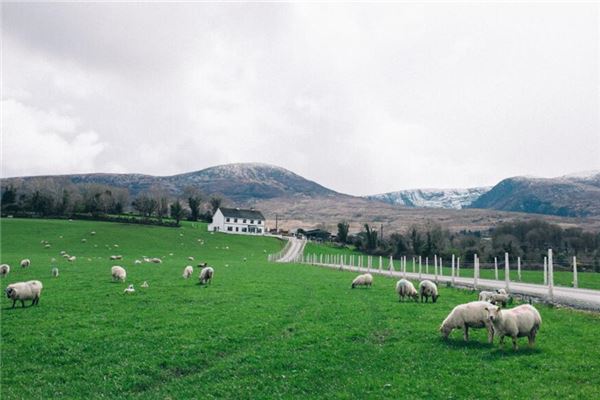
487,312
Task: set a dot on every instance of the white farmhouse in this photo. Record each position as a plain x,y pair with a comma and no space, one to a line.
235,220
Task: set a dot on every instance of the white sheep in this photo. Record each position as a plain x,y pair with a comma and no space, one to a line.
118,273
92,233
71,259
66,255
191,258
47,246
116,257
55,272
428,289
501,291
4,270
137,262
145,284
62,252
30,290
362,280
465,316
494,297
206,275
83,240
25,263
129,289
405,288
188,271
521,321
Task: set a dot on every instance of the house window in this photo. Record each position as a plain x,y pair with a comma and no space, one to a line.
259,230
237,229
243,229
229,228
251,221
227,220
244,221
235,220
259,222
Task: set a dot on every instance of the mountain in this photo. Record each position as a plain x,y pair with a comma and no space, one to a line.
237,182
576,195
432,198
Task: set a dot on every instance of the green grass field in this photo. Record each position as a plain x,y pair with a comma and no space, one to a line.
260,331
587,280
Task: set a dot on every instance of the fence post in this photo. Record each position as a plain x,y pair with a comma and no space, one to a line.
381,263
496,268
420,267
545,270
452,270
426,265
435,269
519,268
506,272
391,264
441,267
404,268
458,267
550,276
414,266
574,271
475,271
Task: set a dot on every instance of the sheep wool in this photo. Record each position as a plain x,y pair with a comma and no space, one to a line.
465,316
428,289
118,273
21,291
55,272
206,275
363,280
521,321
25,263
405,288
4,270
188,271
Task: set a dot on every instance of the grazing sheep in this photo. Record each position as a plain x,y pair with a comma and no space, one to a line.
62,252
30,290
405,288
428,289
83,240
118,273
245,259
92,233
145,284
116,245
119,257
191,258
206,275
156,260
521,321
465,316
501,291
137,262
47,246
55,272
188,271
25,263
362,280
71,259
129,289
4,270
494,297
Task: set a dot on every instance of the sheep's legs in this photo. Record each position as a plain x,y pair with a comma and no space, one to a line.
490,335
14,302
23,303
514,340
466,335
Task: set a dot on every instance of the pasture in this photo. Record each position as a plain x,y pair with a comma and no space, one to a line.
260,330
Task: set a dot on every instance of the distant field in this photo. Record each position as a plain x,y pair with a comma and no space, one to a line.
588,280
259,331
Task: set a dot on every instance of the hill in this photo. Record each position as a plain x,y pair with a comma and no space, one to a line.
570,196
432,198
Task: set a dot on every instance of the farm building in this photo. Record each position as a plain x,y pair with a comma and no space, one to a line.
236,220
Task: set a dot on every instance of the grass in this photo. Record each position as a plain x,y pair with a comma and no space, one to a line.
259,331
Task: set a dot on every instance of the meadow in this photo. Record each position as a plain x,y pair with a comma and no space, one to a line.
259,331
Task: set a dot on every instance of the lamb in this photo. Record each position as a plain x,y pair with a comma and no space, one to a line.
55,272
118,257
25,263
4,270
206,275
362,280
521,321
494,297
118,273
428,289
30,290
129,289
405,288
465,316
188,271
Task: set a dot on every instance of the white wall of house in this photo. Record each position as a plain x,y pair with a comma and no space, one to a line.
241,226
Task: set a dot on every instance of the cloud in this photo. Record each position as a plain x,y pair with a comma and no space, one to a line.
36,142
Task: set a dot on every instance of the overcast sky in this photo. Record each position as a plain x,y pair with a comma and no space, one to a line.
362,98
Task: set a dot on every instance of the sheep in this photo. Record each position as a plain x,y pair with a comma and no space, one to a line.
494,297
406,288
4,270
156,260
25,263
428,289
206,275
129,289
62,252
465,316
118,273
145,284
83,240
71,259
521,321
136,262
118,257
191,258
501,291
55,272
188,271
66,255
47,246
30,290
92,233
362,280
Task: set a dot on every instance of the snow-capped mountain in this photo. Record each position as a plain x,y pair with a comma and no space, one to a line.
432,198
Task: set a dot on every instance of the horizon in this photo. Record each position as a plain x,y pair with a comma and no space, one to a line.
362,99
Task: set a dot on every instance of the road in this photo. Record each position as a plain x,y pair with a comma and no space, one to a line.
294,248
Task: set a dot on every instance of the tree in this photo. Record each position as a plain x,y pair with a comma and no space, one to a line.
371,237
342,234
145,205
194,204
215,203
177,211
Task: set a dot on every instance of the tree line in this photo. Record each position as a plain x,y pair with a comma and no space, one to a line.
529,240
46,198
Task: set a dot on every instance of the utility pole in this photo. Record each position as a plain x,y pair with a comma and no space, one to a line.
381,233
276,222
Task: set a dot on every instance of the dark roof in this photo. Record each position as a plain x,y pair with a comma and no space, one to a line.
240,213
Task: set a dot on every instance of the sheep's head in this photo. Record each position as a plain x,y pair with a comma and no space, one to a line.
493,313
445,331
435,297
9,292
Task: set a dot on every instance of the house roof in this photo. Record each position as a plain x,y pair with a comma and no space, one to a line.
241,213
